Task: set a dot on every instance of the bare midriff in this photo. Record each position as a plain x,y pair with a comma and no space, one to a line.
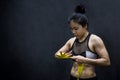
87,72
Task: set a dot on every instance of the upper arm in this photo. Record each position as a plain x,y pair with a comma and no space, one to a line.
100,48
67,46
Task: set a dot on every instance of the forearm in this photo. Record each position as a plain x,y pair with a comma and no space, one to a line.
99,62
58,53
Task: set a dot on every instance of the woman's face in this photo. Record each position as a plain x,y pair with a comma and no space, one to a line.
77,29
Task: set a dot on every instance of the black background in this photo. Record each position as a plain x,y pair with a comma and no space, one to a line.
33,30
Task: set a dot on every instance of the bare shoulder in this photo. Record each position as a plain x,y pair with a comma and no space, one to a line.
96,40
71,41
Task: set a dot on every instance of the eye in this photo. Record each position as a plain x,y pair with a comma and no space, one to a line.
76,29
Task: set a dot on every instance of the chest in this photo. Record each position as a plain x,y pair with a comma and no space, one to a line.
84,49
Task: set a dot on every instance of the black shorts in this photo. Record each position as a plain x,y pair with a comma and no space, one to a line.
74,78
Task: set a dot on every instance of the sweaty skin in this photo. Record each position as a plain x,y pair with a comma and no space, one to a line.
95,44
87,72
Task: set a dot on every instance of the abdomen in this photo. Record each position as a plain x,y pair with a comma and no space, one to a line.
87,72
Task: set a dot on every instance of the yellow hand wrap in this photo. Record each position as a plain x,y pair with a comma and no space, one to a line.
80,69
63,55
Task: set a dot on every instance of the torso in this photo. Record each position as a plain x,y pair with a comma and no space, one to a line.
88,70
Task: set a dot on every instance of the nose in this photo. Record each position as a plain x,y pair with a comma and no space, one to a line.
73,31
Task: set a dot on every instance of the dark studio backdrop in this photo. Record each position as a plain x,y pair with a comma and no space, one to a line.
33,30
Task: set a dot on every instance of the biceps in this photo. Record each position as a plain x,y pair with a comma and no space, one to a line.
65,48
102,51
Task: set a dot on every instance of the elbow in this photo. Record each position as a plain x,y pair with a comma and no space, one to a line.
55,56
107,63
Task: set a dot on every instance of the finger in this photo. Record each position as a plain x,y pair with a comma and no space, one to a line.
76,60
69,54
73,57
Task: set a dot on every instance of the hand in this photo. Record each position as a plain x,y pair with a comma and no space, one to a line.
63,55
69,53
79,59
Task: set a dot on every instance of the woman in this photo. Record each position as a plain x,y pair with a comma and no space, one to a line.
87,50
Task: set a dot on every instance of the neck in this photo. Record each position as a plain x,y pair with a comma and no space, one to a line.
83,37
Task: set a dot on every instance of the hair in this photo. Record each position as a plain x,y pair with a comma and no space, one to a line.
79,16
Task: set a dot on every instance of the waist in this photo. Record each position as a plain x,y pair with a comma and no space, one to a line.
74,78
87,71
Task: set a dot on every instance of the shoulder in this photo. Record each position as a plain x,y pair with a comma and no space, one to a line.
71,40
95,42
95,39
